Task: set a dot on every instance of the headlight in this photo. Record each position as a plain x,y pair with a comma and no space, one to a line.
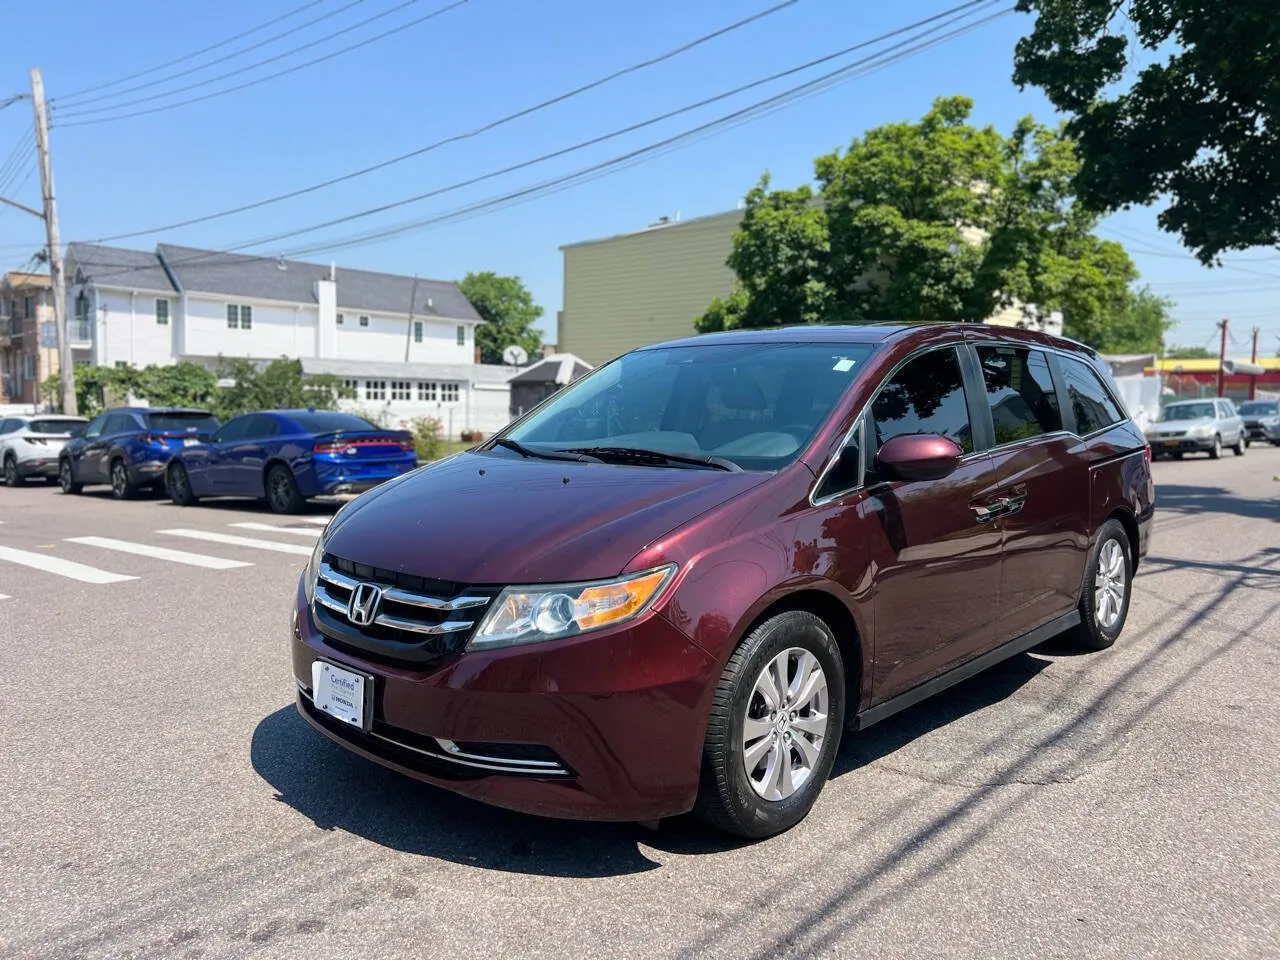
536,613
1205,430
313,565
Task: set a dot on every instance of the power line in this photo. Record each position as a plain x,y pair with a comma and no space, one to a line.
478,131
12,165
439,11
907,48
201,52
213,63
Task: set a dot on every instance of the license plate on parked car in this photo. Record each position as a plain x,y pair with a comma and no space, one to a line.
1171,443
189,441
342,694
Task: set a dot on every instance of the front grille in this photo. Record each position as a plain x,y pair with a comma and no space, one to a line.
415,620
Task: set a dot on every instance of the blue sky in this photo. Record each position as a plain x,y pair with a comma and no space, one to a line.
474,64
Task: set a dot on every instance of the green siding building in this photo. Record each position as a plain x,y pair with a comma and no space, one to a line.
626,291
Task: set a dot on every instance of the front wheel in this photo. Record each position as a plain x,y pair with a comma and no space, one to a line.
774,728
283,495
67,479
178,486
1215,452
1241,446
12,477
1104,603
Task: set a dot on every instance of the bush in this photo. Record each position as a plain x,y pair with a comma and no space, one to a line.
472,436
428,438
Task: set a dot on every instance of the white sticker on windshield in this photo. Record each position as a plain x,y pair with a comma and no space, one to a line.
843,365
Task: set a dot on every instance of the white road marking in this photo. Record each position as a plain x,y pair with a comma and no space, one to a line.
63,568
318,521
235,541
268,528
161,553
5,596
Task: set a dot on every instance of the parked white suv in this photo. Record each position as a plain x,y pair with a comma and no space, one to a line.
30,444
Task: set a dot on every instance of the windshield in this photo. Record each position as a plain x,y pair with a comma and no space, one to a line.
57,424
189,421
329,421
1188,411
756,404
1260,408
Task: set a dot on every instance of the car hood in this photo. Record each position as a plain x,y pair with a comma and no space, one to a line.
1164,426
481,519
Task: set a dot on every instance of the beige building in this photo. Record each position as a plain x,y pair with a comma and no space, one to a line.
634,289
28,350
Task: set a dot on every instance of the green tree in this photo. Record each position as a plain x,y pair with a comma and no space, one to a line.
1139,327
509,312
938,220
182,384
96,387
1197,124
1189,353
280,384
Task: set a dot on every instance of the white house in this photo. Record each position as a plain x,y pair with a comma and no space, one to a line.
405,345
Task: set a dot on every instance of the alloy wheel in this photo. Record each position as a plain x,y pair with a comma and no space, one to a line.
64,476
1109,584
11,472
785,724
119,479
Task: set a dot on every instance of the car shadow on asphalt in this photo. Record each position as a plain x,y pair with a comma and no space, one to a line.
1182,498
337,790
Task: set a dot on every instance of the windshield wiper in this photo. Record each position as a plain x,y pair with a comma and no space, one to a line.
531,453
657,458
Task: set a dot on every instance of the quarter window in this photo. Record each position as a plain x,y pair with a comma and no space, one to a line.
1020,392
1090,400
925,396
375,389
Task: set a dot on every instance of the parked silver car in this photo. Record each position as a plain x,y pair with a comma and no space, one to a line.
1262,420
30,444
1198,426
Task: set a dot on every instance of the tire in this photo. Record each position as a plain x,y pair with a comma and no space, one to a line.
65,478
283,495
12,477
121,487
1215,452
1108,585
1241,446
1176,456
731,796
178,486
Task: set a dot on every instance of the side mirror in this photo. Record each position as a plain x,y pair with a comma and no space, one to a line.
919,456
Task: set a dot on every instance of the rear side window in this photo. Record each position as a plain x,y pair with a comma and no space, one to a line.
261,427
329,421
1020,392
925,396
55,426
237,428
1090,400
193,421
118,423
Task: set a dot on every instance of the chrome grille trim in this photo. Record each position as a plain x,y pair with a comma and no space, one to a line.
398,595
411,626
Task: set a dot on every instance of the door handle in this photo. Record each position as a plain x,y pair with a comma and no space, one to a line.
985,513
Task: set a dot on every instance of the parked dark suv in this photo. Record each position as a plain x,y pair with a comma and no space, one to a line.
676,583
128,447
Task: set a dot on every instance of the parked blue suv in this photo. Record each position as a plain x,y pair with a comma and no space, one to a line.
129,447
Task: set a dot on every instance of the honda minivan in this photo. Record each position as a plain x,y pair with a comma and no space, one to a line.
677,583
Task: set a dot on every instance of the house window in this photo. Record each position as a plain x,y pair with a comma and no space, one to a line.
28,365
239,316
364,321
339,319
417,331
426,391
462,336
353,386
375,389
162,312
82,308
28,307
449,391
121,364
401,390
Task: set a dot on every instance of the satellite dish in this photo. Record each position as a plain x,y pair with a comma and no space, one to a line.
515,355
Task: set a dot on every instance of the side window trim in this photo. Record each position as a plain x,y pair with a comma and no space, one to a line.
975,396
857,432
1064,397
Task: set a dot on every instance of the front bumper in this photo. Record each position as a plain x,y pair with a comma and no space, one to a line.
1268,433
1181,445
612,722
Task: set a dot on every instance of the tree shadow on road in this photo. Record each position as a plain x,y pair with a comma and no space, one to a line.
1181,498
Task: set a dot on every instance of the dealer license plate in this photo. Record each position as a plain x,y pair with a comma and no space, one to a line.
340,693
189,441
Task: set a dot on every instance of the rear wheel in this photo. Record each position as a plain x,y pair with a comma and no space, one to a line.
66,478
1104,604
1215,452
121,487
178,485
1241,446
283,495
12,477
774,728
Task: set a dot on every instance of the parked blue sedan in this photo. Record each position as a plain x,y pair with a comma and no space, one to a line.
288,456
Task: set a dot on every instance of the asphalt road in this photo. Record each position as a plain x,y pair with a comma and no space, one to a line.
162,799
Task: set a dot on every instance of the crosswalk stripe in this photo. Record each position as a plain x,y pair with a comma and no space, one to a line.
232,540
5,596
268,528
161,553
318,521
63,568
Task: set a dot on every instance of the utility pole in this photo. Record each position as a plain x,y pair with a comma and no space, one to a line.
1253,379
1222,361
66,368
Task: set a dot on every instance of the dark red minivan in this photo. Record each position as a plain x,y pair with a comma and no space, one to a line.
676,583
